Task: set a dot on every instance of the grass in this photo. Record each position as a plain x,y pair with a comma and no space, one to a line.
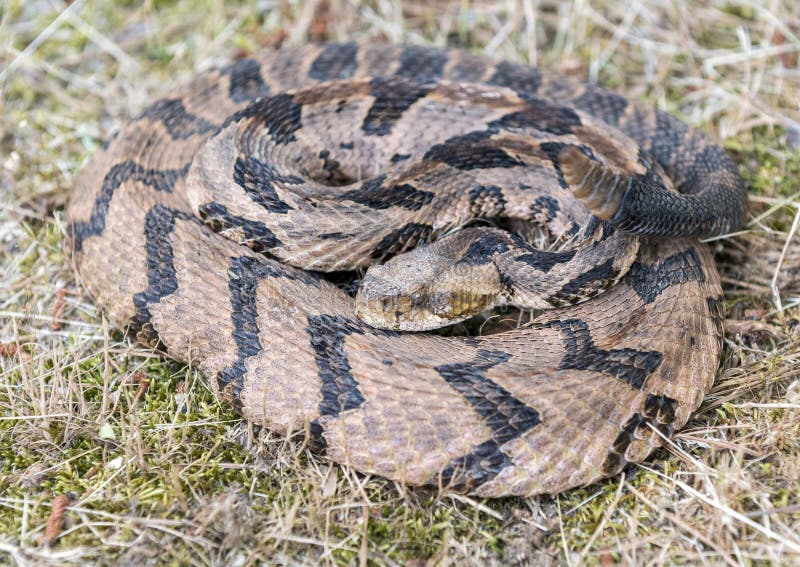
157,472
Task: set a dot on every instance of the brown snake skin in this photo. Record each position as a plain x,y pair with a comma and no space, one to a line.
400,144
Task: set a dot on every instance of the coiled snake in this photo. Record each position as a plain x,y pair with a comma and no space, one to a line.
335,157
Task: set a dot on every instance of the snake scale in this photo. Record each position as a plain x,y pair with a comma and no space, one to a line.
206,224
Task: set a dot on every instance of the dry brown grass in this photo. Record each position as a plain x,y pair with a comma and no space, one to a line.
161,473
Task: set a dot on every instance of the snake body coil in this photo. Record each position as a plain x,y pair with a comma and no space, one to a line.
339,156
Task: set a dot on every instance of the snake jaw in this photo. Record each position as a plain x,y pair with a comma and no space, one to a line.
380,303
433,310
424,289
396,313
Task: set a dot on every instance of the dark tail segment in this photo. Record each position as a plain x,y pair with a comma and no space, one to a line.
714,201
711,198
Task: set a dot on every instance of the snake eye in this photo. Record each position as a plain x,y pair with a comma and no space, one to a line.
416,298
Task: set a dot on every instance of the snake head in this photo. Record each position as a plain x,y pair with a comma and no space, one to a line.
426,288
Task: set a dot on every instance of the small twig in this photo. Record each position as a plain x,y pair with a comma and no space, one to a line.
140,379
101,41
675,519
730,512
791,509
606,516
770,406
39,40
774,205
55,522
477,505
561,529
57,313
776,295
719,443
363,552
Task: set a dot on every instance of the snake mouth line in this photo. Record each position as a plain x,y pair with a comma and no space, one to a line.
433,311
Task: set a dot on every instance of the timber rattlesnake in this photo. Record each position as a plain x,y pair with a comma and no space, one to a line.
335,157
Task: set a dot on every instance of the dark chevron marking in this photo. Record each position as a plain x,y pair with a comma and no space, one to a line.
525,81
659,412
269,268
243,278
254,234
485,200
339,390
587,283
650,281
396,158
506,416
545,208
660,408
471,151
627,365
543,260
605,105
280,114
246,82
256,177
375,195
334,236
157,179
390,104
401,238
179,123
337,61
481,251
244,274
421,63
159,223
339,387
543,116
552,151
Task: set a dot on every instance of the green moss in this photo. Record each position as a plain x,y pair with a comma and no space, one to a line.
769,166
